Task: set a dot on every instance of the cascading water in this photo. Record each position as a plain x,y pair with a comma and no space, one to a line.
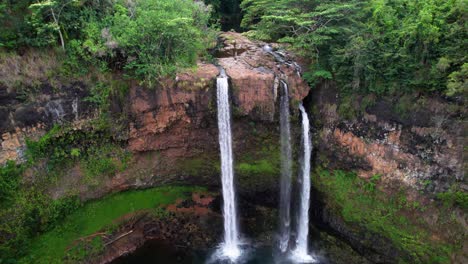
300,252
230,247
286,171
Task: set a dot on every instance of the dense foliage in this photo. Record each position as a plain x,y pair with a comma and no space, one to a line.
26,209
147,39
227,13
373,46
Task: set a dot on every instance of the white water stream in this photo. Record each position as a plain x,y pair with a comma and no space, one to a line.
230,248
286,171
300,253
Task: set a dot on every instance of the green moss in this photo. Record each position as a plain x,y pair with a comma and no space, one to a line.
359,202
63,145
84,249
256,168
31,212
51,247
454,198
103,161
205,165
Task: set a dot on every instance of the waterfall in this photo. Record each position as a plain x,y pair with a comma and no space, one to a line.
286,171
230,247
300,252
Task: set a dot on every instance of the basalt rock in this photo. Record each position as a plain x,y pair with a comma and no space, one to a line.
415,154
31,114
180,113
176,117
421,149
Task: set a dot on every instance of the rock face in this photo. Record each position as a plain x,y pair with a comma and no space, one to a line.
181,115
31,116
423,148
171,129
255,74
417,151
177,117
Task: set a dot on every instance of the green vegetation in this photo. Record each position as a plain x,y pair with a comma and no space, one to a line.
258,168
147,39
377,46
62,146
104,161
359,202
26,209
29,213
51,247
10,175
84,249
227,13
454,198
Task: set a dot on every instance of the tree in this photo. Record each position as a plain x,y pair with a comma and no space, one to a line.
47,14
149,38
375,46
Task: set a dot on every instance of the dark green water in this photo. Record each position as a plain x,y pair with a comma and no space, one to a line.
158,252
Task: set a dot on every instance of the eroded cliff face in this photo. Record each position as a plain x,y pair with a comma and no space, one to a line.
407,151
170,128
31,114
421,148
180,114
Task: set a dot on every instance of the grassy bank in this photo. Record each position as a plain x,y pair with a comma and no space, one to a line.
51,247
363,206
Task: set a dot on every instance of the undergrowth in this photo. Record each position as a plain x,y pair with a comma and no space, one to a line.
360,202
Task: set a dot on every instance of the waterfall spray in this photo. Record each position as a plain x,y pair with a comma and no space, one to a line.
230,247
300,252
286,171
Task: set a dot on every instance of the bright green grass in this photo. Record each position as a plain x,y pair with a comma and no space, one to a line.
94,216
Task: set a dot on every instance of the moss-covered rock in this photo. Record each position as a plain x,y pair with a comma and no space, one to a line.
385,226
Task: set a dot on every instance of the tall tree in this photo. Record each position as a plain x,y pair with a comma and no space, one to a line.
47,14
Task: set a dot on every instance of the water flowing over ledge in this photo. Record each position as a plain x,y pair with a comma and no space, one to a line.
230,247
300,253
286,171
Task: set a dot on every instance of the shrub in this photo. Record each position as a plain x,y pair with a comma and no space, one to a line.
454,198
149,38
9,181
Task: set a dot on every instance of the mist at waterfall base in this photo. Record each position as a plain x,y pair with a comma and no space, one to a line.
168,252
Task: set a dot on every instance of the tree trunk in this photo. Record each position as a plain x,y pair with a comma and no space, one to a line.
62,42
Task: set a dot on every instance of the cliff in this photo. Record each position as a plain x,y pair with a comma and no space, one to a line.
402,162
171,128
383,165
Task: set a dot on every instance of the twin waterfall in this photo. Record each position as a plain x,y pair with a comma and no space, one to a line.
230,248
300,252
